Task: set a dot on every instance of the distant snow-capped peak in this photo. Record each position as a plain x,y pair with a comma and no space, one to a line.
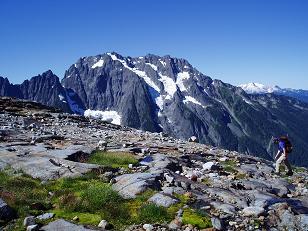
258,88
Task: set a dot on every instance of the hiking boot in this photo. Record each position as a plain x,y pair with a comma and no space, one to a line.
289,173
277,174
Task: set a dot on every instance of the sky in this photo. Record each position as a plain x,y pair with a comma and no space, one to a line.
236,41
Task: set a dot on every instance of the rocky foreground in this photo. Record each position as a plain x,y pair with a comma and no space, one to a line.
234,191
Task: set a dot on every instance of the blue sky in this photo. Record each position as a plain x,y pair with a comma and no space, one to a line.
236,41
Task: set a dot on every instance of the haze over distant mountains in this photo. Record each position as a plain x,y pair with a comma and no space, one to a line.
166,94
257,88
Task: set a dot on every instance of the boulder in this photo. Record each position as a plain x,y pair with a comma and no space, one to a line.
62,225
252,211
217,223
129,185
163,200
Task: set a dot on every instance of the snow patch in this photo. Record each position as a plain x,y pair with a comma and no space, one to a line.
163,62
110,116
153,66
100,63
189,99
159,102
61,97
180,80
169,84
247,101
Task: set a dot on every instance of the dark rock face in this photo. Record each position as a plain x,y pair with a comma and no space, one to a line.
8,89
46,89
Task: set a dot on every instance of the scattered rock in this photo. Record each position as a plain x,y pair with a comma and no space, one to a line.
104,224
193,139
45,216
32,228
163,200
217,223
253,211
175,224
6,212
29,221
148,227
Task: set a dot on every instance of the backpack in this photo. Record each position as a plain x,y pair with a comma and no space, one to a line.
287,143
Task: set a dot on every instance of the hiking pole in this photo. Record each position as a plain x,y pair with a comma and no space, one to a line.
269,147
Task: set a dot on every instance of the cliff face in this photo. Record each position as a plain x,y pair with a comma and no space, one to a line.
45,88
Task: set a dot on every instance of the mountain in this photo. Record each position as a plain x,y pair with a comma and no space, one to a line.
45,88
257,88
165,94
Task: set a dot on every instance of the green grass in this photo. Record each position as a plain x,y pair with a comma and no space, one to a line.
229,166
207,181
240,176
84,218
299,169
196,218
98,196
86,197
113,159
151,213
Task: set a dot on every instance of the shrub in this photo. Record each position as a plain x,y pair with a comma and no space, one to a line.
151,213
98,196
69,201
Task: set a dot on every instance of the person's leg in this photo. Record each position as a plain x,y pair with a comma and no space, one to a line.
286,162
278,162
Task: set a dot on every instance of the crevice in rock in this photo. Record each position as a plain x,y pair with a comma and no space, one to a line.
79,156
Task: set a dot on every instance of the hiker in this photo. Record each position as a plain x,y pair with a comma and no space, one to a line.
284,148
